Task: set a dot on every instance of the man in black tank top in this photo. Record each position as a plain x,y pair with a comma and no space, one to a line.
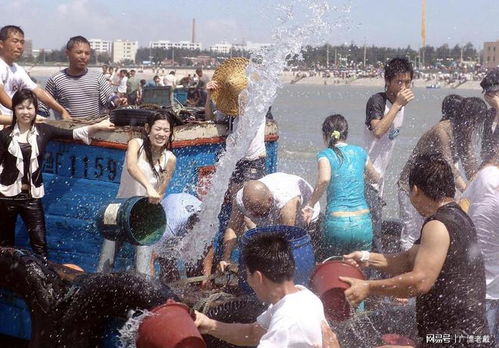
443,270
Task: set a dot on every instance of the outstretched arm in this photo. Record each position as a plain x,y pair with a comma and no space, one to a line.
237,334
428,263
323,179
48,100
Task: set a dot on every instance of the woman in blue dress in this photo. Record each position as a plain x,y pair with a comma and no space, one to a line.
341,171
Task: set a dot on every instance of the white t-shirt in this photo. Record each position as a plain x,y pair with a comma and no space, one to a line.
483,194
13,78
380,149
169,80
122,86
293,322
283,187
256,148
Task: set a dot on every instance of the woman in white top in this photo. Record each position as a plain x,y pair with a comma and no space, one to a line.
149,165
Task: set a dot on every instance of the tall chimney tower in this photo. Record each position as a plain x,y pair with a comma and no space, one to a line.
193,30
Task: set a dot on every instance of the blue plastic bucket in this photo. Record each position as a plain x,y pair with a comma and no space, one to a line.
301,246
133,220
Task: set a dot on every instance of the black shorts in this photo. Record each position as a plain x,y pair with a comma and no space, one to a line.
248,170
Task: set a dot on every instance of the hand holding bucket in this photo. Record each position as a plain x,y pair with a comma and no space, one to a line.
170,326
327,283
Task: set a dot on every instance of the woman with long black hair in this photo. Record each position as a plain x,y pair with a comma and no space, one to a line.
147,171
22,149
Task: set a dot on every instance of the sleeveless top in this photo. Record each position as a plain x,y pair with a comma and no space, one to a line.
455,304
130,187
346,187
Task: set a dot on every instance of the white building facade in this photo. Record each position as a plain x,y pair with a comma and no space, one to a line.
124,50
101,46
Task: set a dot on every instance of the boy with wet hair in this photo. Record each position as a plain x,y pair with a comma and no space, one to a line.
490,140
444,268
384,118
295,317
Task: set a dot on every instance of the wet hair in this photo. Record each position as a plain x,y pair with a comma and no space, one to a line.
76,40
146,145
467,121
271,254
398,65
335,123
432,174
9,29
451,106
199,70
20,97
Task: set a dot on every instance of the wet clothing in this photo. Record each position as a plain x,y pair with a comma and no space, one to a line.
483,194
490,139
380,149
31,211
295,321
346,193
455,304
129,187
284,187
11,156
438,139
21,164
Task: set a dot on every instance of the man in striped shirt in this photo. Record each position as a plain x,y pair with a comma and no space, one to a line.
81,91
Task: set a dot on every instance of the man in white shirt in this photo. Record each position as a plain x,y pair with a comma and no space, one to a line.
483,196
384,118
295,317
169,80
14,78
275,199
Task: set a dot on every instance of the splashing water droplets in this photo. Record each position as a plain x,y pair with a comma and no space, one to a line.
266,65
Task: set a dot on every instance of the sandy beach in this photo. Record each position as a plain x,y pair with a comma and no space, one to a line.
287,77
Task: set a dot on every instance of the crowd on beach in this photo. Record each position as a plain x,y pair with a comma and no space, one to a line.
449,252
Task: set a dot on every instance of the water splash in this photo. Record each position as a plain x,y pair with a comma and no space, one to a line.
264,70
128,334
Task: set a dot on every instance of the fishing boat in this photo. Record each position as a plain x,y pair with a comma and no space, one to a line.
80,180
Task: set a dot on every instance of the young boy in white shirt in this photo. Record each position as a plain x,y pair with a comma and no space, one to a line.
295,317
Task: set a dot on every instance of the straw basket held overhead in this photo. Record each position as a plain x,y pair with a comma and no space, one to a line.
231,80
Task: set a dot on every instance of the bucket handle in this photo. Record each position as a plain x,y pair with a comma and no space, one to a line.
334,258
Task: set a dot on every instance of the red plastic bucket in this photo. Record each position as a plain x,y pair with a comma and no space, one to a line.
171,326
326,284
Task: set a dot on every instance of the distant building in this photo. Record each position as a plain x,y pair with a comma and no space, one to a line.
181,44
491,54
222,47
101,46
124,50
28,48
225,47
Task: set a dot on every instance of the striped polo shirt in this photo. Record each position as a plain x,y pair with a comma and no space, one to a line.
84,95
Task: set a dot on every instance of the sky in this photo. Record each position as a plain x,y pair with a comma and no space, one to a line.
391,23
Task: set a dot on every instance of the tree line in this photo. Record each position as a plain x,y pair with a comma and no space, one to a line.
311,57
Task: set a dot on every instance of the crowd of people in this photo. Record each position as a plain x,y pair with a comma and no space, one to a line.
449,252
